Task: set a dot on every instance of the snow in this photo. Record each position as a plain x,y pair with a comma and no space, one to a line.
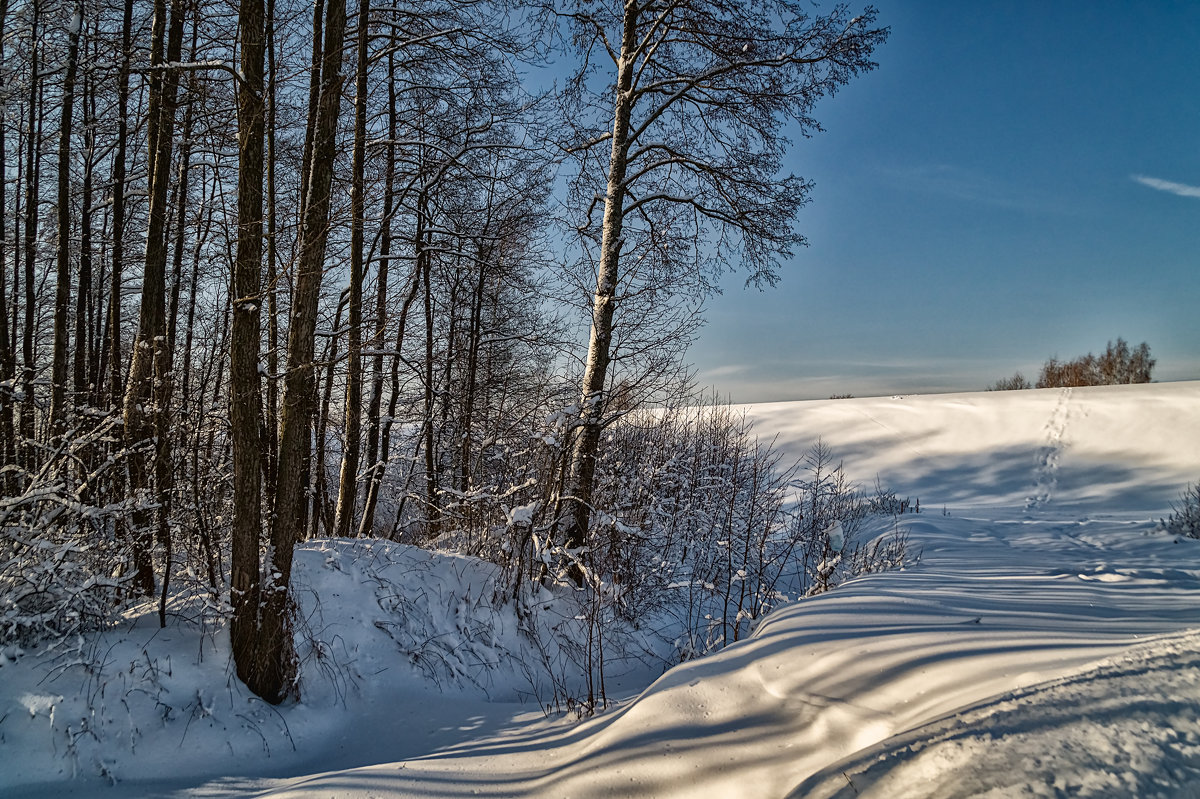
1047,643
837,536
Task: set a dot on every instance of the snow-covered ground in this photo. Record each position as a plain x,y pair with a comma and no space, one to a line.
1046,644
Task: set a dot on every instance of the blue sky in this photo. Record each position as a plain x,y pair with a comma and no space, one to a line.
1016,180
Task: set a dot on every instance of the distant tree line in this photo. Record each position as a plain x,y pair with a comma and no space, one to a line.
1118,365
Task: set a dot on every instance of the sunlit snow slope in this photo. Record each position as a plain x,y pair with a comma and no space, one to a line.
1104,449
1044,645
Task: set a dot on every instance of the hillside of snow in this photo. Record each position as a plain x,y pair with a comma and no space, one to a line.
1103,449
1046,643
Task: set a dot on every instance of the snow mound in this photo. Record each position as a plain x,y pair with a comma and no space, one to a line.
383,630
993,635
1128,727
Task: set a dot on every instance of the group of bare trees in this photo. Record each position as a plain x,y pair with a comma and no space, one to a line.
351,310
1119,364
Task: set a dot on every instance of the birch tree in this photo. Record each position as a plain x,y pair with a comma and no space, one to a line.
679,110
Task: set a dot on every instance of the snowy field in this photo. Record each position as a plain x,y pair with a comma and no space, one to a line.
1047,643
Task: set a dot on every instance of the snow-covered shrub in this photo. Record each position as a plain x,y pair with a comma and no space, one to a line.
61,559
700,528
1185,517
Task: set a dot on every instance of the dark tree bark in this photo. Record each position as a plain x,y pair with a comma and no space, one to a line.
84,374
164,368
474,337
375,457
385,434
348,482
116,383
425,264
62,260
275,642
322,509
148,389
245,391
29,452
270,442
8,355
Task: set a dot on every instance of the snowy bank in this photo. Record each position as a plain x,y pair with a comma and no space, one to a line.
1046,644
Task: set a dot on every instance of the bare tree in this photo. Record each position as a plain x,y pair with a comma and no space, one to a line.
148,387
62,292
348,482
1117,366
29,452
681,106
8,355
276,654
116,384
245,390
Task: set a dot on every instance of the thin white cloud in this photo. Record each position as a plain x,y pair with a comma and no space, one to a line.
1182,189
727,370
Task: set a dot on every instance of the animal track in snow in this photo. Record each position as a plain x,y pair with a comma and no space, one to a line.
1050,456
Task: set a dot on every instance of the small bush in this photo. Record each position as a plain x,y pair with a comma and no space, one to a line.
1017,382
62,561
1185,520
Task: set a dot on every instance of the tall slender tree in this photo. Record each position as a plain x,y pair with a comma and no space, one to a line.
148,389
276,653
245,390
348,482
116,383
682,128
8,360
29,459
62,290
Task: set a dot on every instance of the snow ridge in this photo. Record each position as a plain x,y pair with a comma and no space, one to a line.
1129,726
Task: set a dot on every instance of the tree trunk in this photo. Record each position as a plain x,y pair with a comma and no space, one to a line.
348,482
577,504
275,642
245,392
473,344
84,366
375,456
385,435
62,283
29,452
148,390
322,509
270,442
425,263
116,384
8,359
164,383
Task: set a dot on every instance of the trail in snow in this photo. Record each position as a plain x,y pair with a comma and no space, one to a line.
1050,458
